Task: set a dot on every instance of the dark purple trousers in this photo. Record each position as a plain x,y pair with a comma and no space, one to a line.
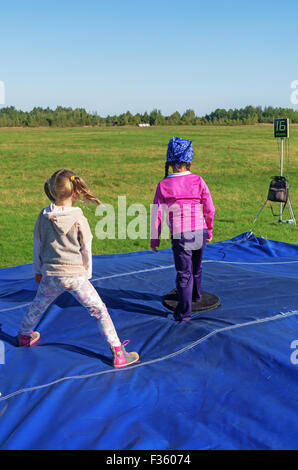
188,263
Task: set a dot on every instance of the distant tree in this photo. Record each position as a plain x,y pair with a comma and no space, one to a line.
136,119
188,117
174,118
68,117
123,119
145,118
156,118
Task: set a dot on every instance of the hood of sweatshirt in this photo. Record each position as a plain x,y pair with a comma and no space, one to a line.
62,217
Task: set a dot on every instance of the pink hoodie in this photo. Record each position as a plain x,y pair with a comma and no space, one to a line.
186,199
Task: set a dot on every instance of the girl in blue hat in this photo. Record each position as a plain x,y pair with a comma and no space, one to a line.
187,201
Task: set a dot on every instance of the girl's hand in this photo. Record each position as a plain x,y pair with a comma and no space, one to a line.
208,240
38,278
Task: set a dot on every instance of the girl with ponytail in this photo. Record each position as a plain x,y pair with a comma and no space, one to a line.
62,261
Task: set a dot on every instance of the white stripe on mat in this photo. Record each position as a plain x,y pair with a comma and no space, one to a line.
142,364
103,278
133,272
156,269
242,262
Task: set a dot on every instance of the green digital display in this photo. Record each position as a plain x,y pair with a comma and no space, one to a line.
281,128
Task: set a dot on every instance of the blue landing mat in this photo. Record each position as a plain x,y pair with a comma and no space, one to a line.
226,380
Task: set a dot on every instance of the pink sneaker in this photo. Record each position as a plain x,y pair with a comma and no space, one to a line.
123,358
28,340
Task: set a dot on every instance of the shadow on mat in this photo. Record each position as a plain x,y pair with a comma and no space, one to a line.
124,300
80,350
13,340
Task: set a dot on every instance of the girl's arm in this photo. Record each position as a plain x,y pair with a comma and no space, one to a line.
156,219
85,240
86,251
208,209
36,251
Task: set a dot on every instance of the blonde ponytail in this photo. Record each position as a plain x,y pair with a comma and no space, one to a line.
83,191
64,183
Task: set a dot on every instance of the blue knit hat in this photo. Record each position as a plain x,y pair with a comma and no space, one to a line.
179,150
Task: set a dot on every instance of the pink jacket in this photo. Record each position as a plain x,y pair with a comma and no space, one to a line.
186,200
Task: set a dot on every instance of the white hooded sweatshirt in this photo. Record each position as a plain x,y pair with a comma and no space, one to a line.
62,242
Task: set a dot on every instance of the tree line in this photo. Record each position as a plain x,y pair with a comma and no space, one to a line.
68,117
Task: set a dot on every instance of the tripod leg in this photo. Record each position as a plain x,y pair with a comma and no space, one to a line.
291,211
280,212
261,210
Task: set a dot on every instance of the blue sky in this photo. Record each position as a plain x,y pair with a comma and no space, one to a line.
114,56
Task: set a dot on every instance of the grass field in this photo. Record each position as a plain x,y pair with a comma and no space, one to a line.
236,163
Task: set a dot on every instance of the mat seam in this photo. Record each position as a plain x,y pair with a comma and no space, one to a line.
142,364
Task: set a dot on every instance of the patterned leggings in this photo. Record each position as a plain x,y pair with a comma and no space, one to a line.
83,291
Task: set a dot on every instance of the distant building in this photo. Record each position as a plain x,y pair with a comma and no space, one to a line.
143,124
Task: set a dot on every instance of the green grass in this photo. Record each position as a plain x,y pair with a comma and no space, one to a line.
236,163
